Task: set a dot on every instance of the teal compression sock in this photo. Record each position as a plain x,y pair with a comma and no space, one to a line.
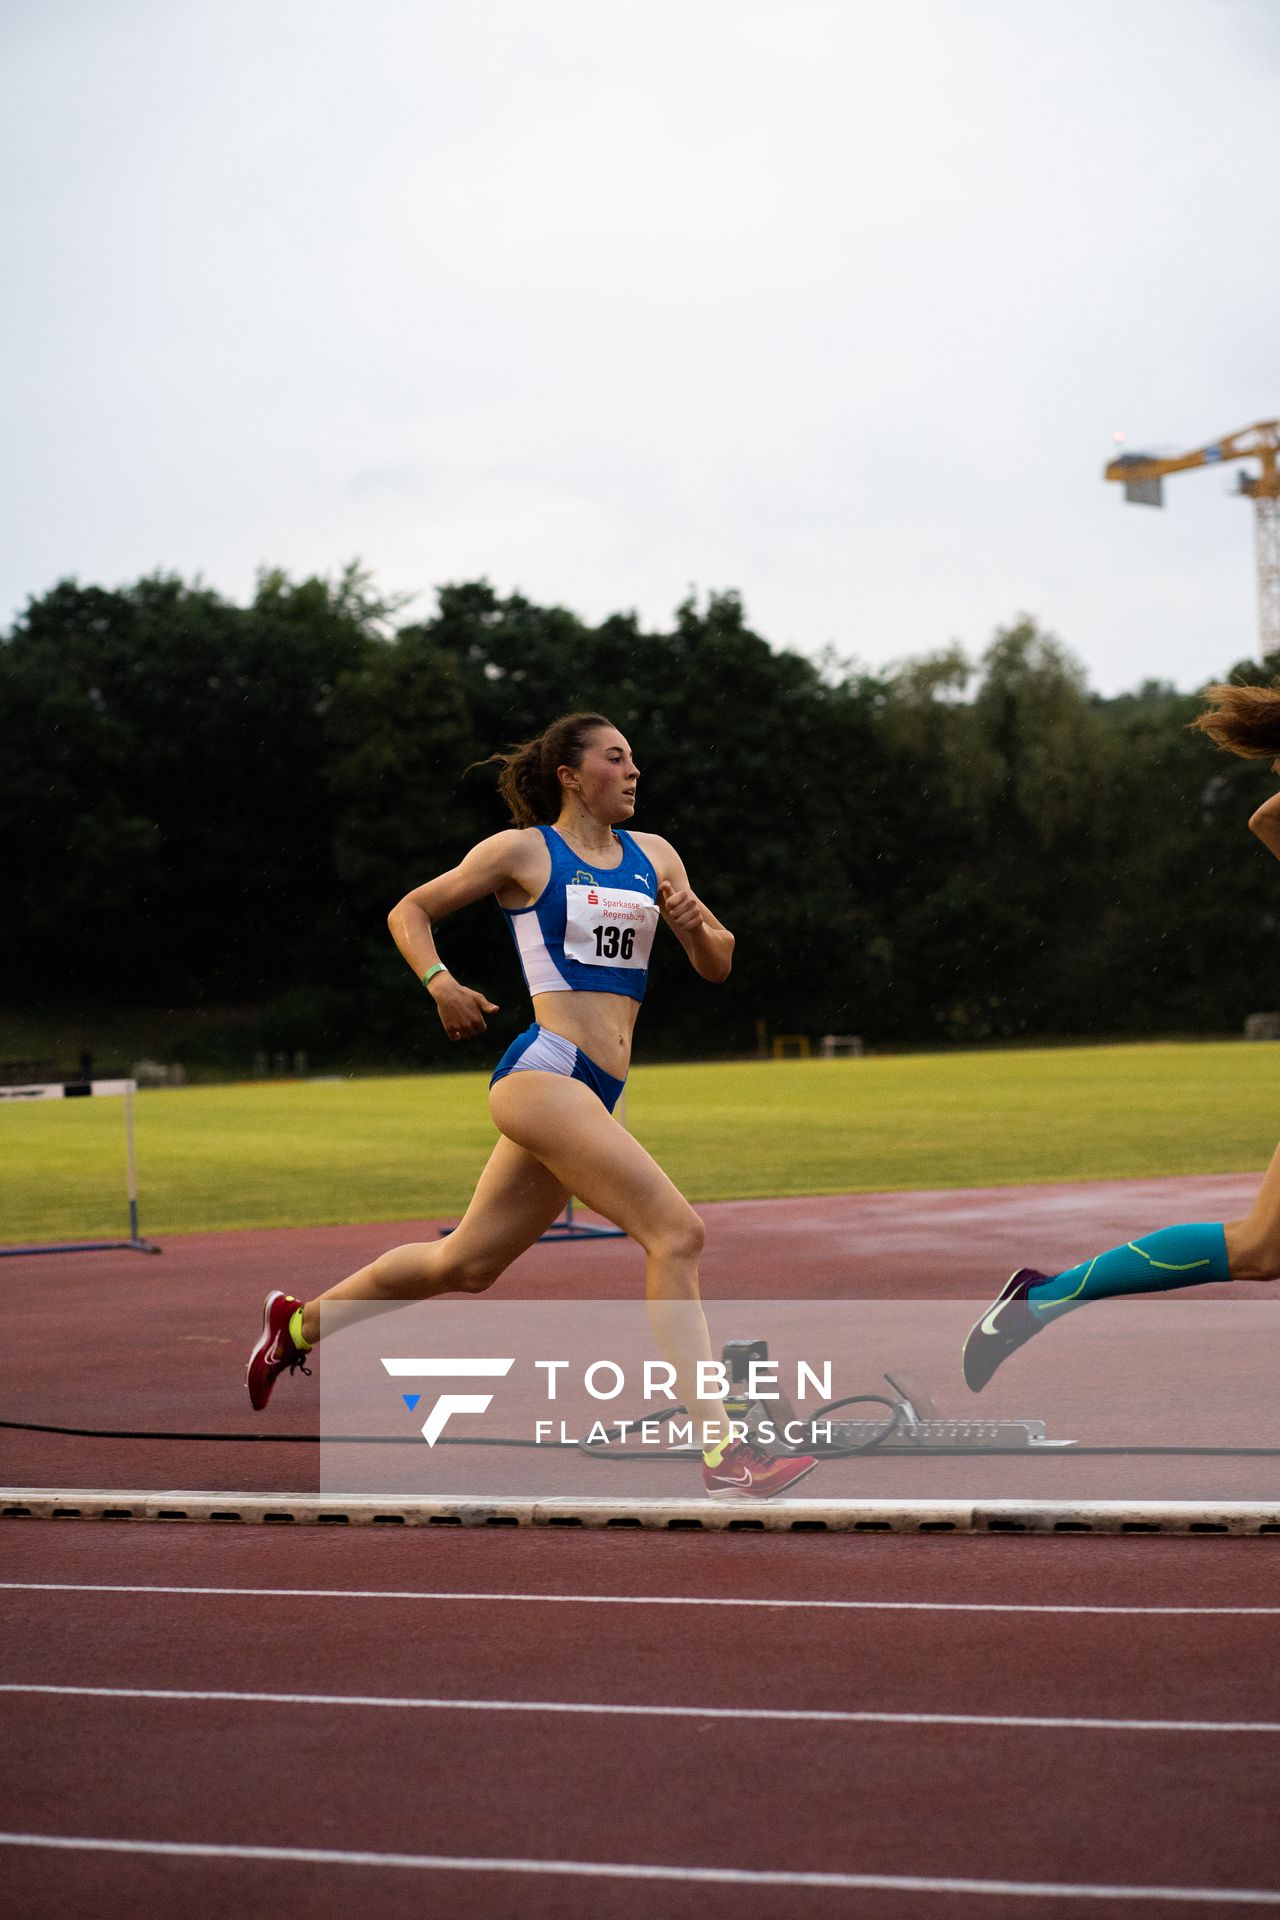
1173,1257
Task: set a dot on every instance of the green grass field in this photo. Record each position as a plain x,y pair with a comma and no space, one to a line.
314,1153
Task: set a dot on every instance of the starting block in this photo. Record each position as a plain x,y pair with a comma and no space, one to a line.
909,1423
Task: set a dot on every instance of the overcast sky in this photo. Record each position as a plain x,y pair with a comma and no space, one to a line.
837,304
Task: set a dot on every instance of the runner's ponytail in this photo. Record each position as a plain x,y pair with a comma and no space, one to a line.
528,782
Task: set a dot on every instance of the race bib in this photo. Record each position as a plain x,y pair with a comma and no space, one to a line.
608,928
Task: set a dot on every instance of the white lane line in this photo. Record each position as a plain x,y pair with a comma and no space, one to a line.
629,1599
618,1870
815,1716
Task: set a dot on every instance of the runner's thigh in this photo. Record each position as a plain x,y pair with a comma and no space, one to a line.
515,1201
1254,1242
564,1124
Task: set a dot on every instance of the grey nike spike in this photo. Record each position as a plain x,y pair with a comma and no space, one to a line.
1008,1323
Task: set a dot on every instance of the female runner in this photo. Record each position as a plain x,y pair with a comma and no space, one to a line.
1245,721
583,901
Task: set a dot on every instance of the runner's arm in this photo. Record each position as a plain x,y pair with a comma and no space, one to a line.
707,941
1266,824
494,863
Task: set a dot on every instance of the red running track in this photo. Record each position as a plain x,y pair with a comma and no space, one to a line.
118,1340
946,1819
943,1816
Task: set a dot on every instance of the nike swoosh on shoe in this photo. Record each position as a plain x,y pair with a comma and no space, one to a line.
980,1362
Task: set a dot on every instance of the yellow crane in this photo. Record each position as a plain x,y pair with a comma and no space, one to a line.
1142,476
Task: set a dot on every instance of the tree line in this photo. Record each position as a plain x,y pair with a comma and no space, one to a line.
211,804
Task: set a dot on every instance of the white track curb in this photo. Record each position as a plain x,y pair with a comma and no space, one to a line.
778,1516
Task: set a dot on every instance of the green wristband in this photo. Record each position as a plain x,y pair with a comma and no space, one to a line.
431,972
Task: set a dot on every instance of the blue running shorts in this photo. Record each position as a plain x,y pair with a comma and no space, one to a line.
537,1050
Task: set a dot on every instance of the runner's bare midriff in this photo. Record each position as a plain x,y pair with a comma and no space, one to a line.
601,1024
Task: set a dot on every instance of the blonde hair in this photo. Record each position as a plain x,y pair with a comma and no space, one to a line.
1243,720
528,781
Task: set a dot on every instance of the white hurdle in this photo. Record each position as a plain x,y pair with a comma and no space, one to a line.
84,1090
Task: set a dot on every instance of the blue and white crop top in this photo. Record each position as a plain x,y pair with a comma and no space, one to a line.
589,932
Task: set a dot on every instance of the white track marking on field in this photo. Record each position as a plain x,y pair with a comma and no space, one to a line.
834,1717
618,1870
626,1599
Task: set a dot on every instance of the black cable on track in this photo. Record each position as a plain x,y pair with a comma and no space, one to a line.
600,1450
